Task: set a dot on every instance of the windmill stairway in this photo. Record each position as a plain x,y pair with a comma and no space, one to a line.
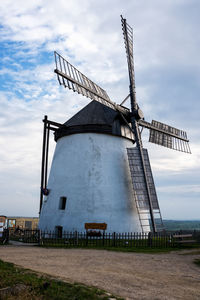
140,192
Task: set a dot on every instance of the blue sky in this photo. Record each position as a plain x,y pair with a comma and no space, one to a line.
88,33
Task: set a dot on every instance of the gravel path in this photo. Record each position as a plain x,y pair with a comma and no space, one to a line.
129,275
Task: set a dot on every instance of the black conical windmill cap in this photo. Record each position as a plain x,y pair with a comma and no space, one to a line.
97,118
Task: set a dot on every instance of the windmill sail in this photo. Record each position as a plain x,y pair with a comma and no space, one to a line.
140,191
70,77
167,136
138,179
128,41
178,142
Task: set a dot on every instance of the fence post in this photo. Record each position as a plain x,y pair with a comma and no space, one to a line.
86,238
5,236
40,242
114,239
150,239
76,238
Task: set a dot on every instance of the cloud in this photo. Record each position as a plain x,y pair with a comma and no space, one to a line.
165,159
166,52
186,189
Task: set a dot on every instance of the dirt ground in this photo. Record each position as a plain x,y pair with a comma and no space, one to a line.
129,275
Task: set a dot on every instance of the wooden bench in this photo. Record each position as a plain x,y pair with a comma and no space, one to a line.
183,238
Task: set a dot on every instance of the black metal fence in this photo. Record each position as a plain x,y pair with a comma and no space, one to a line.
129,240
102,239
84,239
4,237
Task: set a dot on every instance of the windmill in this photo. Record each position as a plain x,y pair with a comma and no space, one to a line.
143,188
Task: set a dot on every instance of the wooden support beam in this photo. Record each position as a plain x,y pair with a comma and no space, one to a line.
43,161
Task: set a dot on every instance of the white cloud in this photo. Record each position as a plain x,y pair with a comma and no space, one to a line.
180,189
165,38
164,159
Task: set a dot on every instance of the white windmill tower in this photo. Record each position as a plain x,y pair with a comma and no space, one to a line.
100,171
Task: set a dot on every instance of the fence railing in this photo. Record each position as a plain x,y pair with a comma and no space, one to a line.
4,236
99,239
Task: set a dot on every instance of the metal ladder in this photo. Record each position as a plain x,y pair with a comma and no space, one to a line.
140,193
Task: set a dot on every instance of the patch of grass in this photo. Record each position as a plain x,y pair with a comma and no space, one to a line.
44,287
117,249
196,252
190,246
197,262
139,249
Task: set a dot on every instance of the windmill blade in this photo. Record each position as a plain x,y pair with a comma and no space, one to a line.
128,41
70,77
138,180
167,136
140,189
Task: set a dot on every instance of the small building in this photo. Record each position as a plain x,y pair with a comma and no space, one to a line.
22,222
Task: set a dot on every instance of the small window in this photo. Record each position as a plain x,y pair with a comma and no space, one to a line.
62,203
28,224
59,231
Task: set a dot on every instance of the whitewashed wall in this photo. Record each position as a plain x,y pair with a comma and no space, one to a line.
92,171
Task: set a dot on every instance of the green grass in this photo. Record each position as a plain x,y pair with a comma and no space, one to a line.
197,262
189,246
117,245
44,287
117,249
196,252
138,249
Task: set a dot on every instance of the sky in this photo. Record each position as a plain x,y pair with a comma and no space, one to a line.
88,34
